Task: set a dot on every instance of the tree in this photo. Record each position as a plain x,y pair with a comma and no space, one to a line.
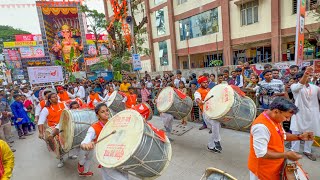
7,34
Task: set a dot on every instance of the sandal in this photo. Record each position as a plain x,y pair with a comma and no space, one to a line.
310,156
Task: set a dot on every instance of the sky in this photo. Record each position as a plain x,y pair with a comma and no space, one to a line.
27,18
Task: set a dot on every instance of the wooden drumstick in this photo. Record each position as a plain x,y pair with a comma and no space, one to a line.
208,99
316,142
113,132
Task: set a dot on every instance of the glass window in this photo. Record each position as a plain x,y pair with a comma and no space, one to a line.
156,2
163,53
249,13
199,25
161,29
182,1
310,5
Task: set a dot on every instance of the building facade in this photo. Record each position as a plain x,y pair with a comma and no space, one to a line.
185,34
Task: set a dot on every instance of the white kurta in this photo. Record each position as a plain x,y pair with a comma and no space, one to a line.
307,100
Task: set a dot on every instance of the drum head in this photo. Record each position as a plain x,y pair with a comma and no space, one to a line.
301,174
217,174
111,98
221,102
66,130
165,99
118,148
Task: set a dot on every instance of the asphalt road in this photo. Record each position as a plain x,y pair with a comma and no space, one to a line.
189,161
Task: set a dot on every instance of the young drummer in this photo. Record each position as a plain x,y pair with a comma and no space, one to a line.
87,146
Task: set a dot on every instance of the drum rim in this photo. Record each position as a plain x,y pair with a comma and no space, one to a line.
228,106
56,142
212,169
113,95
67,145
255,111
170,104
151,112
128,155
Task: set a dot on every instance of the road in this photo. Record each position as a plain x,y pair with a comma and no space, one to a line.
189,161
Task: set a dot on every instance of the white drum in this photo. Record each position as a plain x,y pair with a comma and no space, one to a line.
174,102
115,102
228,107
74,125
294,171
134,148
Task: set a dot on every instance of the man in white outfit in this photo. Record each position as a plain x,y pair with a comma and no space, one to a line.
308,118
80,91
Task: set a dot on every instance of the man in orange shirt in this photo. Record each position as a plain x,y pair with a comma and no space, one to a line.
267,136
199,96
94,98
64,95
131,98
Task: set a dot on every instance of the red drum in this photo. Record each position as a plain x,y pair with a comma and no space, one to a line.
79,101
145,110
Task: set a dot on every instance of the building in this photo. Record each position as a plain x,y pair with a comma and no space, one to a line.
206,31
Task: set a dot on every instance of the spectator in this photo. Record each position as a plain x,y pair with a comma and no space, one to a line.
144,93
293,70
239,78
6,161
149,82
79,90
268,89
275,74
194,80
124,86
212,81
254,80
247,70
266,67
227,77
220,78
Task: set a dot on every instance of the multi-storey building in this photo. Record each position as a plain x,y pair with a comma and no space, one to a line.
194,33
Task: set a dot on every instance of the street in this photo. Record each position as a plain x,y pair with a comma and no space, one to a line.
189,161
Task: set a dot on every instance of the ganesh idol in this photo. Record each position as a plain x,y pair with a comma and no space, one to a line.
64,47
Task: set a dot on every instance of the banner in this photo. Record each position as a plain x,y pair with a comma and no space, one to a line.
91,61
45,74
13,55
92,50
136,62
14,44
92,37
299,45
32,52
28,37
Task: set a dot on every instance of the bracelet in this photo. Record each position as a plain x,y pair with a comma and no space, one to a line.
298,136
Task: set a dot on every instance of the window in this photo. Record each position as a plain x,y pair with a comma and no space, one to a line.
249,13
199,25
309,6
156,2
163,53
161,29
182,1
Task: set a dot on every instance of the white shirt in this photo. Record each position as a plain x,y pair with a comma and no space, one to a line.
44,114
38,109
90,136
177,81
197,95
80,92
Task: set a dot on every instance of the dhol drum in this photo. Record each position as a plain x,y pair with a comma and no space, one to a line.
145,110
78,100
225,105
216,174
74,125
294,171
53,143
174,102
136,147
115,102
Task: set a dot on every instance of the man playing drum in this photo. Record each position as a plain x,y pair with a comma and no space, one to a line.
130,99
41,105
51,113
267,136
199,96
64,95
88,144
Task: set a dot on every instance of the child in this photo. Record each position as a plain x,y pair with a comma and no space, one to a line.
30,113
144,93
183,89
87,146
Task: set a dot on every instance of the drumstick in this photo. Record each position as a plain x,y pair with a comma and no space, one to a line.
113,132
208,99
316,142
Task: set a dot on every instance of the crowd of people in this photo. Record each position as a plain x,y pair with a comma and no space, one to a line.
293,96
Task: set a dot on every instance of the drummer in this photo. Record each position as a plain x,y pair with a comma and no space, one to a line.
199,96
94,98
131,98
64,95
51,113
267,136
110,91
87,146
41,105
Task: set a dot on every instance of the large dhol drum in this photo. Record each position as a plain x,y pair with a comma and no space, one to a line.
74,125
115,102
174,102
230,108
134,148
53,143
216,174
294,171
145,110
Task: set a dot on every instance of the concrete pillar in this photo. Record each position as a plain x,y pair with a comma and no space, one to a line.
150,37
226,32
275,31
175,63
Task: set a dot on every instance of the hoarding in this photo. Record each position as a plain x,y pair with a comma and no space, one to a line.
45,74
32,52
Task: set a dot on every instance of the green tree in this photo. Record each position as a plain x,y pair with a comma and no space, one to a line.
7,34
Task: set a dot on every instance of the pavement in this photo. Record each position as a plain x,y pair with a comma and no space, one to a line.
189,160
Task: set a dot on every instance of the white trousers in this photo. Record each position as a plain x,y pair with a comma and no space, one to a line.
85,158
113,174
167,122
295,145
215,128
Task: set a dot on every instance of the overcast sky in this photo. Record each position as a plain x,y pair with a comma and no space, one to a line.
27,18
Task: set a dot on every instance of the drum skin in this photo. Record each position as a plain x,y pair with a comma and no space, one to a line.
170,102
145,110
53,144
115,102
74,125
228,107
134,142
